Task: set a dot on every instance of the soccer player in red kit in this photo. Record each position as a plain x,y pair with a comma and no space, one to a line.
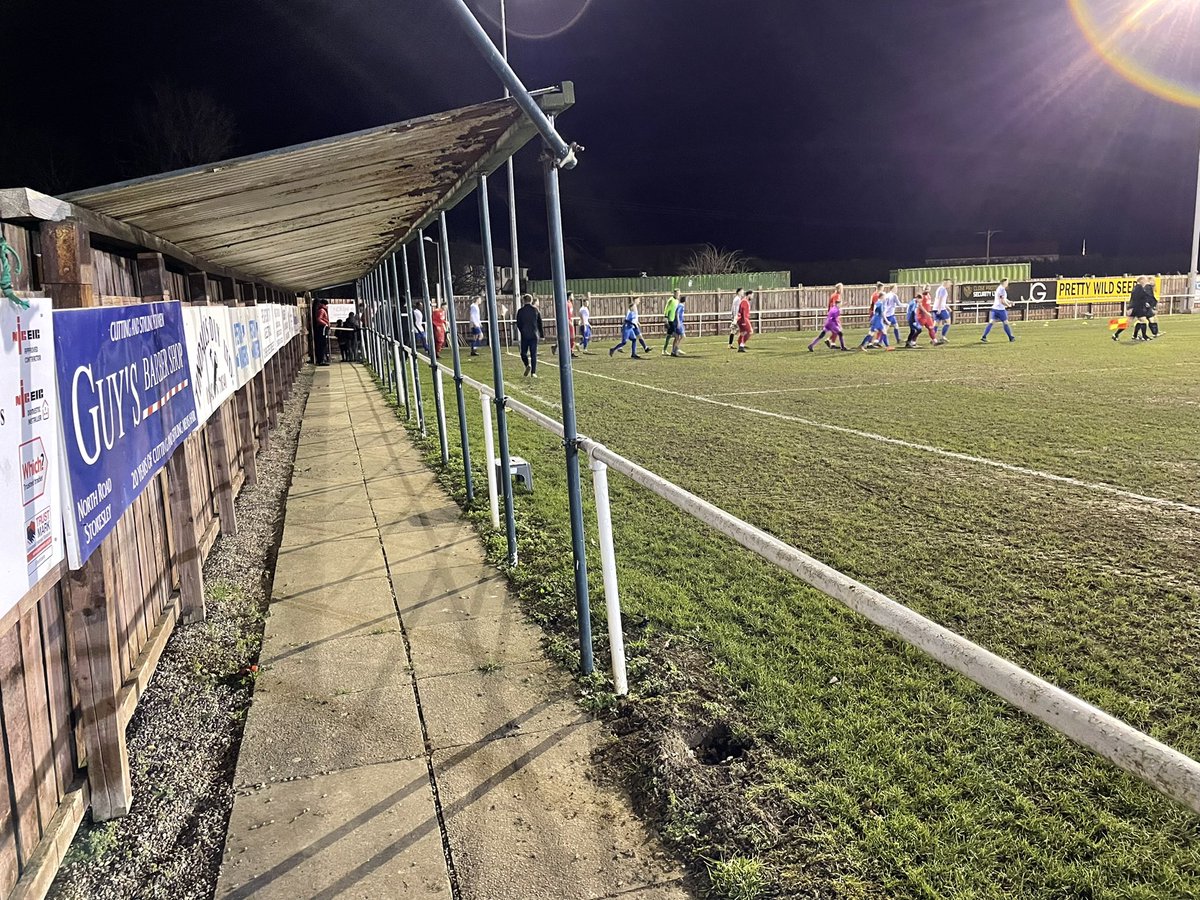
745,329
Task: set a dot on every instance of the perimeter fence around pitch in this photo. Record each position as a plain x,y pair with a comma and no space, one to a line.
803,309
1162,767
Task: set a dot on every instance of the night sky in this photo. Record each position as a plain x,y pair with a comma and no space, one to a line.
790,130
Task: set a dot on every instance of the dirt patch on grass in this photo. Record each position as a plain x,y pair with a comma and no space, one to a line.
185,735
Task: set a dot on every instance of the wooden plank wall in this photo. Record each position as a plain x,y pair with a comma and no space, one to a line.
42,764
116,276
28,244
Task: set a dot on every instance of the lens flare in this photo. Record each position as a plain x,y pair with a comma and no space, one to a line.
1153,43
535,19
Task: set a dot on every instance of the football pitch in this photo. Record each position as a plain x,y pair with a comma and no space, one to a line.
1041,498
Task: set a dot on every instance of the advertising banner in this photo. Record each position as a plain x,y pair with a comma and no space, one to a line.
1035,294
1099,290
266,329
209,335
247,351
30,476
339,309
127,404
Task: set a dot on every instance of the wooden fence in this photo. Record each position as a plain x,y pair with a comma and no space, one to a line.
791,309
79,649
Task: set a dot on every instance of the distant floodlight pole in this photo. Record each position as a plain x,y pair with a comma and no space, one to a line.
412,340
1191,285
448,293
989,233
489,275
558,274
431,343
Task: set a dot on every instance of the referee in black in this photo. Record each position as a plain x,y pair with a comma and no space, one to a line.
1137,310
1151,310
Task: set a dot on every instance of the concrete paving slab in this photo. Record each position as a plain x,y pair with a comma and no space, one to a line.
483,706
299,535
351,607
366,832
528,823
331,704
318,509
304,571
415,512
454,594
334,732
332,496
452,647
448,546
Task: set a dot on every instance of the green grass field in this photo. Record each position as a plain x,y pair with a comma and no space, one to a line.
883,774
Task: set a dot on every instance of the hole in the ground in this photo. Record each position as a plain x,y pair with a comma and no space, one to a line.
718,744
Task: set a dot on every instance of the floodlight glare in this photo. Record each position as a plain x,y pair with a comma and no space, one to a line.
1153,43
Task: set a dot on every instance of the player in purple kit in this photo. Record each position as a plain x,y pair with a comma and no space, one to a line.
832,326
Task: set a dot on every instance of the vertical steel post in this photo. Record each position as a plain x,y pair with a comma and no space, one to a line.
489,447
558,272
389,328
431,343
512,190
448,293
1190,302
489,274
608,565
401,361
412,343
380,329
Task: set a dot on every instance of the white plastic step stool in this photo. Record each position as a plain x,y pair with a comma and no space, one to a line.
517,468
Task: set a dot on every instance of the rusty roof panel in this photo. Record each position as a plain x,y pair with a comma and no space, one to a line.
323,213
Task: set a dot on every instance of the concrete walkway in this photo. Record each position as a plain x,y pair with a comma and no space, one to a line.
407,737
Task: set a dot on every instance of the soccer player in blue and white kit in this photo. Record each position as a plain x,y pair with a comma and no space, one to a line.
941,311
877,330
999,312
890,301
476,327
585,326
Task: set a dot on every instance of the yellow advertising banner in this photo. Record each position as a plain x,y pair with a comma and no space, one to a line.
1099,290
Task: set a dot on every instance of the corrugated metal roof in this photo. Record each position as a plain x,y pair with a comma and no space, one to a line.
323,213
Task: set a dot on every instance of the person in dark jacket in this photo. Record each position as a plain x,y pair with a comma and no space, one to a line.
529,326
1151,308
351,336
1137,311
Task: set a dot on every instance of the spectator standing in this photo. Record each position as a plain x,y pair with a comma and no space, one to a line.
529,327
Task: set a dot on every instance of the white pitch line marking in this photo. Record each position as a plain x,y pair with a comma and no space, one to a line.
963,379
927,448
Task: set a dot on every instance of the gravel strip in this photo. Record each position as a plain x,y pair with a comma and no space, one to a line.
185,735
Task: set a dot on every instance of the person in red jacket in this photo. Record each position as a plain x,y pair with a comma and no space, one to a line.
743,322
439,329
321,334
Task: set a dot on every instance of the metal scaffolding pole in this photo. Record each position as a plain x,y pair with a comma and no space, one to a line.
512,188
400,360
558,273
564,153
389,328
485,236
412,341
448,293
431,343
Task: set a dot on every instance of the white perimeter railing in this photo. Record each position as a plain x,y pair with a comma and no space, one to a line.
1162,767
